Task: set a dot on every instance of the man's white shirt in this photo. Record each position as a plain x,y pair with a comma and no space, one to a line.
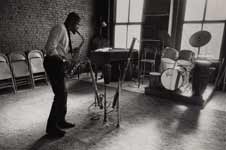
58,40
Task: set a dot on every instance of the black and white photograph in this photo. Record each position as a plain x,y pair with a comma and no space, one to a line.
112,75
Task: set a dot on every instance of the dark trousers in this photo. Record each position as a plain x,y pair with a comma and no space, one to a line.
55,70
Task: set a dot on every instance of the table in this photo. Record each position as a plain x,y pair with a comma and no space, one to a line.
114,57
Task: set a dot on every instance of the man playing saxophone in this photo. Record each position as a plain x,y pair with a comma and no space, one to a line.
57,47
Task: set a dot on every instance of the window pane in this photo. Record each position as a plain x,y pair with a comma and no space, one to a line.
216,10
212,49
188,31
122,10
133,31
120,36
194,9
136,9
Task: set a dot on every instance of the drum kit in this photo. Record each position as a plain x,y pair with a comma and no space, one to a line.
176,66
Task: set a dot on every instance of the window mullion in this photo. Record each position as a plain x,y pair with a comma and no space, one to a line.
127,25
204,14
128,12
128,22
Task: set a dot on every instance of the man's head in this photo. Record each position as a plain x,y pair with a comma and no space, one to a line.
72,22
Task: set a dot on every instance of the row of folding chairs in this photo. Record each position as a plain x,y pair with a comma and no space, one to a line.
20,68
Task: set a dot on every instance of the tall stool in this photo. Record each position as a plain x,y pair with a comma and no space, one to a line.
154,80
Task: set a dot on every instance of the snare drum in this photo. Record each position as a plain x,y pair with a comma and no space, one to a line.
173,78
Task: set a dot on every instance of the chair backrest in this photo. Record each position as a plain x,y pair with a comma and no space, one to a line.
35,58
150,53
5,72
35,54
19,64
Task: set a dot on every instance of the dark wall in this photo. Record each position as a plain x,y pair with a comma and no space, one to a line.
177,25
104,12
155,18
25,24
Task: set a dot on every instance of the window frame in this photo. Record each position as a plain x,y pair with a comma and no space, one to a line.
127,24
202,22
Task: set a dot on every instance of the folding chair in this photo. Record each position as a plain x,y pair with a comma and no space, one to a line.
6,77
20,69
35,59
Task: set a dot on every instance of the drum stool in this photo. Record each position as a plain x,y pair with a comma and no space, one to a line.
154,80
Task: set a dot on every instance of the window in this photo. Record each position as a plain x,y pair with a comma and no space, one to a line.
128,22
209,15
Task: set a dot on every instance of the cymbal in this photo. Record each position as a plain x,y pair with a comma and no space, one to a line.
200,38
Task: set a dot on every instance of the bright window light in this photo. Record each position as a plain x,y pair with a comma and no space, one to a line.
133,31
212,48
216,10
136,9
122,11
120,36
128,22
194,9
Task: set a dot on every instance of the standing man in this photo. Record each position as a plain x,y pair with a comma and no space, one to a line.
57,46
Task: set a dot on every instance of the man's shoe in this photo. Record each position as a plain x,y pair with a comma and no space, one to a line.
66,125
55,133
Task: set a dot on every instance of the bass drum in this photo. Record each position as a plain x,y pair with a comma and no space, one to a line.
166,63
173,78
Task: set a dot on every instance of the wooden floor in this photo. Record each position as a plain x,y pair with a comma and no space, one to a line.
147,123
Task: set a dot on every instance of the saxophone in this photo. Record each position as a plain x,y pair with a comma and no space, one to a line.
73,66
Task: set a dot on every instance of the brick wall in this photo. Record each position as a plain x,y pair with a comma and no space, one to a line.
25,24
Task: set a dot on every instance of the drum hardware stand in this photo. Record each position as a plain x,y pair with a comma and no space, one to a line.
100,100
